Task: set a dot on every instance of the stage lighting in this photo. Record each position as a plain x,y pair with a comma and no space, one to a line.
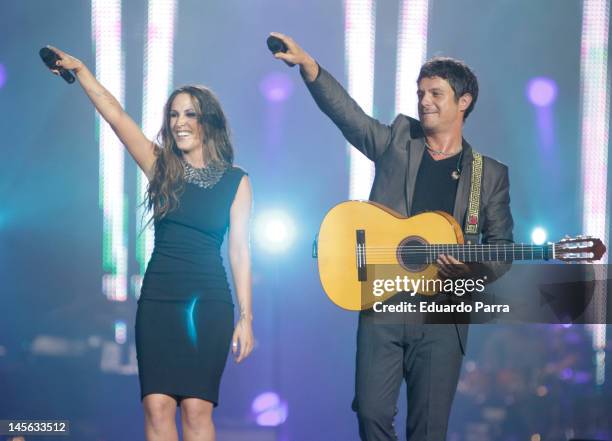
538,236
274,231
276,87
110,70
411,53
269,410
2,75
157,83
120,332
359,51
542,91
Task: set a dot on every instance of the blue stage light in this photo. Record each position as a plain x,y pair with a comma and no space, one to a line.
538,235
274,231
120,332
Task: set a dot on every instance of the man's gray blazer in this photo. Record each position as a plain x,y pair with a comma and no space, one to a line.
397,150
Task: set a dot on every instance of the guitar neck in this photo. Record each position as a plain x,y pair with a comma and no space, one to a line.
493,252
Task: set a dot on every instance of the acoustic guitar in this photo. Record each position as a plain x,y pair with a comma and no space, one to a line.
360,242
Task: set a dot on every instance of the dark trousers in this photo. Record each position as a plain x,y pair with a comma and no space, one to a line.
427,356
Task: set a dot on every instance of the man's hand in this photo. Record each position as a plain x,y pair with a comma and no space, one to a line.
296,55
451,268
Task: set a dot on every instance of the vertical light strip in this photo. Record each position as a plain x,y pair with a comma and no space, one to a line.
120,332
595,99
411,53
158,68
360,30
106,26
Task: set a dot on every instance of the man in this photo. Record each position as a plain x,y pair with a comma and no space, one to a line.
420,166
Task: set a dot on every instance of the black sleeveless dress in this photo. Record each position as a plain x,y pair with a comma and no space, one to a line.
185,316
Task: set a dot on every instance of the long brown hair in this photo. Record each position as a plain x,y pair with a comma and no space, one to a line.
167,181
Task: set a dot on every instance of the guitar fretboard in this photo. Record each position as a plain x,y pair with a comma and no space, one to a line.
478,253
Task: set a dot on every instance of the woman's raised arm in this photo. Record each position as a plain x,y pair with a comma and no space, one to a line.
130,134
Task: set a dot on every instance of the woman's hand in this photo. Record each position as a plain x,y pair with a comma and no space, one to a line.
66,61
243,340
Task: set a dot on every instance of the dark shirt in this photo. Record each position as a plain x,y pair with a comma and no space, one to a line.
435,189
186,261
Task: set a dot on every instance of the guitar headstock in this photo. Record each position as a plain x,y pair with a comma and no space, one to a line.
579,249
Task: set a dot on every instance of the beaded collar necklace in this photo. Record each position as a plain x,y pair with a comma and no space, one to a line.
205,177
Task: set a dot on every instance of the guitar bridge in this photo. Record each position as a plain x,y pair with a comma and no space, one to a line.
362,273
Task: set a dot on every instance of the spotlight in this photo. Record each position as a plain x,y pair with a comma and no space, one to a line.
542,91
120,332
2,75
276,87
538,236
269,410
274,231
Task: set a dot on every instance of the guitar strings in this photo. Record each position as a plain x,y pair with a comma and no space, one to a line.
461,245
471,248
430,251
464,250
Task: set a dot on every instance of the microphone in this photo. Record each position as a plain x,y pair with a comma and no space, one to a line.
275,44
49,58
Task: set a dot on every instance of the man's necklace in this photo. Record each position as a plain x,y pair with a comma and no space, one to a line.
455,174
439,152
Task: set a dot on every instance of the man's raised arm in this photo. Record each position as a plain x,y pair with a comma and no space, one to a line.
367,134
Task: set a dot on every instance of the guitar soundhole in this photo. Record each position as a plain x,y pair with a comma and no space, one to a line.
412,254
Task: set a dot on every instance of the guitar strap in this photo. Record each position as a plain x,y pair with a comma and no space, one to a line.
472,219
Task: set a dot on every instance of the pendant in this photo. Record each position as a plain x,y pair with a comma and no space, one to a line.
455,175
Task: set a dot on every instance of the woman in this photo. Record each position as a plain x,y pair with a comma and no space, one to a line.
184,321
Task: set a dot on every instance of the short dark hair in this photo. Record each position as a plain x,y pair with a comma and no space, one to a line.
460,77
